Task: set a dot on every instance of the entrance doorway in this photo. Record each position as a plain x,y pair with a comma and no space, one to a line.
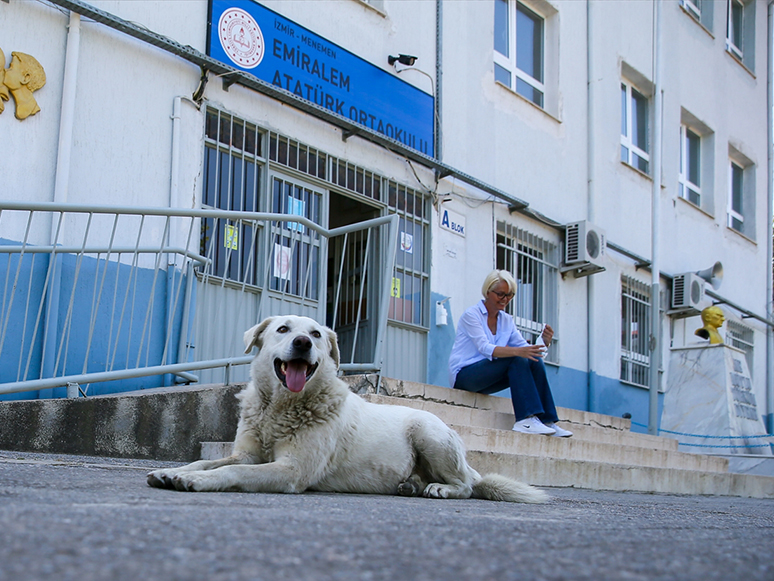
353,275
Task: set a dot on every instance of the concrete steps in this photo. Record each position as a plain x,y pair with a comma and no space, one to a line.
603,454
463,416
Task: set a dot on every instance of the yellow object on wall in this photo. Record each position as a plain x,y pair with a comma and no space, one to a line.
713,319
23,77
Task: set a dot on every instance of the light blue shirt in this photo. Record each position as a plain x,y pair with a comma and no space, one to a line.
474,341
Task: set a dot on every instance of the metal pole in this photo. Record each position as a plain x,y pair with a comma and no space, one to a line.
438,79
770,217
655,290
591,356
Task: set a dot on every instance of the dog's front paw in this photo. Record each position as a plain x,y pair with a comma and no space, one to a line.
436,490
161,479
194,482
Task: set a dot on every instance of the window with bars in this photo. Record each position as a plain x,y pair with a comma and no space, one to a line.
635,331
409,288
742,337
232,181
303,158
295,249
533,262
356,179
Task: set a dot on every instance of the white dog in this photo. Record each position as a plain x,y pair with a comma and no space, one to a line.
301,428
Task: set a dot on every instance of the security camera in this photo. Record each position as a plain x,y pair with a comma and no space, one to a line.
403,59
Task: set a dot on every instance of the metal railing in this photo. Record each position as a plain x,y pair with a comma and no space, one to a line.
140,297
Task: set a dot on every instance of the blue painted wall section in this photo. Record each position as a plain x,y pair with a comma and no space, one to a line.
439,344
130,308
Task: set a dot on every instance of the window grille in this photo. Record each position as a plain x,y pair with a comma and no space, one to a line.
295,248
356,179
293,154
409,289
742,337
533,262
635,331
232,181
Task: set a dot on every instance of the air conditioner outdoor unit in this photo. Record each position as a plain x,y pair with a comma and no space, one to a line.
585,246
687,291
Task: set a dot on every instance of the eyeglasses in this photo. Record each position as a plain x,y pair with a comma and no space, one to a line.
502,296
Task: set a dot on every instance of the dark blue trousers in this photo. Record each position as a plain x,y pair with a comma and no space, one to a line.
530,392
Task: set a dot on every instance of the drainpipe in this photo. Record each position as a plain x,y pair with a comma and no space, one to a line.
174,183
61,187
62,180
180,350
655,269
770,215
174,186
591,379
438,78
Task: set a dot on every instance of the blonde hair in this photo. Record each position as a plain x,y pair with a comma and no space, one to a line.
495,277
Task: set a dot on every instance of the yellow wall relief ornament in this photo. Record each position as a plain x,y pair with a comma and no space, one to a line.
713,318
23,77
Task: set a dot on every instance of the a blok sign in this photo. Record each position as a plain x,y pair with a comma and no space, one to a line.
250,37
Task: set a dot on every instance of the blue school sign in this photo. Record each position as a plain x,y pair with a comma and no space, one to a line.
252,38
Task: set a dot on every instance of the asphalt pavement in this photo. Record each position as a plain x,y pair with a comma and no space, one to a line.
87,518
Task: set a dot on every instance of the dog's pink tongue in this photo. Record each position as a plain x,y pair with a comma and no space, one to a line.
295,375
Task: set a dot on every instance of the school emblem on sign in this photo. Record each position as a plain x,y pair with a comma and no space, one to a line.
241,38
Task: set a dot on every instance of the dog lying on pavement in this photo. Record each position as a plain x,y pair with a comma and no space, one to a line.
301,428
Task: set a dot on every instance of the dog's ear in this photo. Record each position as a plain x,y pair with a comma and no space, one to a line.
334,342
253,335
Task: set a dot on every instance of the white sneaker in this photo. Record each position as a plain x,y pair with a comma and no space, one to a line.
559,432
532,425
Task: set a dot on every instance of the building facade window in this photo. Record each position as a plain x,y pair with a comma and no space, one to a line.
701,10
741,193
740,31
233,167
635,331
690,165
742,337
693,7
295,253
736,197
735,28
519,49
634,128
533,262
409,288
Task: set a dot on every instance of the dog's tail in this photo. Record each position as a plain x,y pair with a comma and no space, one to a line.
499,487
